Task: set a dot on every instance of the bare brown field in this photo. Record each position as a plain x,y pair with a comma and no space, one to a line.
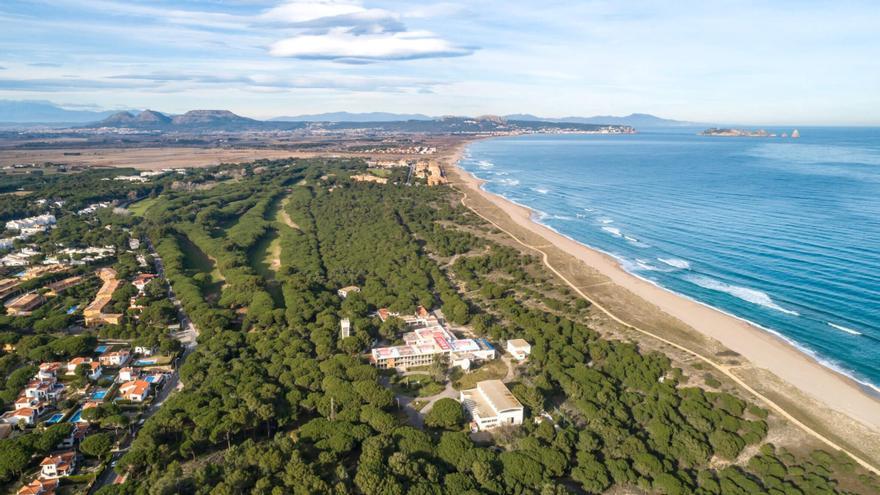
146,158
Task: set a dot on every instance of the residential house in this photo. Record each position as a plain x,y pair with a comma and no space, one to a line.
48,371
94,312
31,222
77,434
56,288
58,465
491,404
26,414
114,358
29,403
144,350
75,362
345,291
23,305
384,314
39,487
135,391
8,286
95,370
127,374
141,281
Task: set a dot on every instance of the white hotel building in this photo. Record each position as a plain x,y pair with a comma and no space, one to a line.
423,345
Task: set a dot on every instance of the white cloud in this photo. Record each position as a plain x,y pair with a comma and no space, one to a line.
347,31
342,45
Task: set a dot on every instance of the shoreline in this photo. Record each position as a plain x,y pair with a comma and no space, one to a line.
869,389
761,347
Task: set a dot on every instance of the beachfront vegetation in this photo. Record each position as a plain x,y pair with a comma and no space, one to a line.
282,405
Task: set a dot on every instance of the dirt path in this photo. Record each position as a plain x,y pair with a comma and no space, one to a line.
724,369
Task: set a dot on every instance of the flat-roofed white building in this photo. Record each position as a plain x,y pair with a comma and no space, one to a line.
345,291
424,345
491,404
344,328
519,348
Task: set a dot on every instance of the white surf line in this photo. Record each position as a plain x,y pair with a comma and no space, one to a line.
725,370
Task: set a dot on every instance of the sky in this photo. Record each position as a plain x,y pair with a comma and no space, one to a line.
782,62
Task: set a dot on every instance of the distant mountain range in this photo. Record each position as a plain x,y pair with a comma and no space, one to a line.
37,111
33,112
226,121
635,120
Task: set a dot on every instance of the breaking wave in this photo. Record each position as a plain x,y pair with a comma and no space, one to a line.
844,329
613,231
749,295
676,263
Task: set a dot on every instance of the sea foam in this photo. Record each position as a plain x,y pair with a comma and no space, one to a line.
845,329
746,294
613,231
676,263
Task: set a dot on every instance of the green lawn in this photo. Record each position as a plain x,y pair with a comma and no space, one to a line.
140,208
493,370
416,385
196,261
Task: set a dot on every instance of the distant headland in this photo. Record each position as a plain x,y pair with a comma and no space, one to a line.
727,132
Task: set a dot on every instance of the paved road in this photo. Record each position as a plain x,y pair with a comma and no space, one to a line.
187,336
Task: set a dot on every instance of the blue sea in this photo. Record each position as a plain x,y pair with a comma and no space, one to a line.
782,232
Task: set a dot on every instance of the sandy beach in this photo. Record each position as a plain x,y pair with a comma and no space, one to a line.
762,349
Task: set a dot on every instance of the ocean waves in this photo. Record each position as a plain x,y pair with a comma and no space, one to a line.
844,329
675,263
778,234
753,296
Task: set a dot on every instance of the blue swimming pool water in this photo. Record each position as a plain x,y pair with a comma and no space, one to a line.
55,418
100,394
72,309
152,379
144,362
101,349
76,418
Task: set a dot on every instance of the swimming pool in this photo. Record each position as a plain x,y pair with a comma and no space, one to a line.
101,349
72,309
99,395
154,378
76,418
55,418
144,362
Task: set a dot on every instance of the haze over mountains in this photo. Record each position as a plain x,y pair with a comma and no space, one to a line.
40,111
45,112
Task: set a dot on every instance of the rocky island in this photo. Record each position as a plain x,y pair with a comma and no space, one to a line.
715,131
